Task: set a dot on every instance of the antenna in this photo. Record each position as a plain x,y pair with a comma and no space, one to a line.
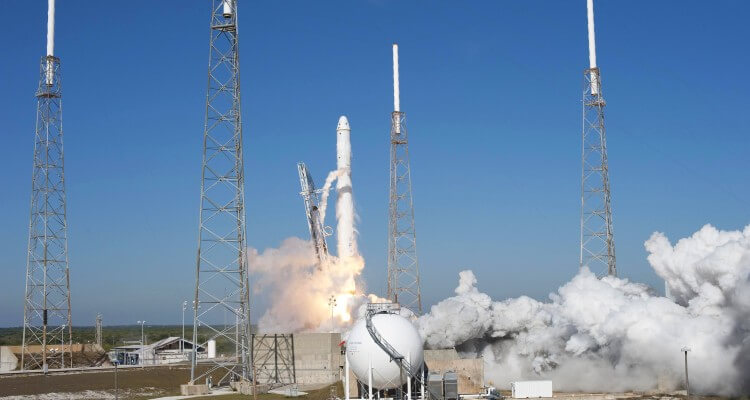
396,94
403,267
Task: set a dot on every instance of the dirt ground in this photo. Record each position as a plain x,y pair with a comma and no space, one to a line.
320,394
133,383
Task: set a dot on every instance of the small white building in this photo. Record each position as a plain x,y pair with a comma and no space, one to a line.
166,351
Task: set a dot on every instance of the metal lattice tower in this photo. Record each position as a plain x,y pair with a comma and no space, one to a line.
597,239
98,338
403,266
311,197
221,284
46,312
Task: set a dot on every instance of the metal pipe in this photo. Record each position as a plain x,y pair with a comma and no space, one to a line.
227,10
687,381
396,94
408,378
369,378
51,28
346,378
424,378
592,47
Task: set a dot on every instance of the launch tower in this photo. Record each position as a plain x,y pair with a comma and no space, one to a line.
597,238
221,305
46,311
403,267
311,197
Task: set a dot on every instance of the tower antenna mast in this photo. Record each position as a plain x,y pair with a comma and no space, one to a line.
46,311
403,266
221,280
597,238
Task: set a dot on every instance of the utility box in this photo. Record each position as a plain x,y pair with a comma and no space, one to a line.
450,386
531,389
435,386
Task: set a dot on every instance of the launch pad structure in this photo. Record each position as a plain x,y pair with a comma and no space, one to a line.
311,197
403,265
47,312
597,252
222,290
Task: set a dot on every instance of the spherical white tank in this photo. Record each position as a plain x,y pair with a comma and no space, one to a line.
361,350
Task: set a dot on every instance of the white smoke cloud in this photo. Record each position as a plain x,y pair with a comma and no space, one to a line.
299,289
326,191
614,335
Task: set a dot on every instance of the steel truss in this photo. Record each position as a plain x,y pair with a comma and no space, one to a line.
403,266
597,238
47,301
311,197
221,285
273,359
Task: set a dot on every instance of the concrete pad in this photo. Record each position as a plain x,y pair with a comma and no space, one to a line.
193,390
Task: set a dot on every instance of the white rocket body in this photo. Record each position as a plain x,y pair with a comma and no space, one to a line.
592,47
345,201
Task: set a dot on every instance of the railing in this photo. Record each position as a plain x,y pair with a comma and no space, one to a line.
403,364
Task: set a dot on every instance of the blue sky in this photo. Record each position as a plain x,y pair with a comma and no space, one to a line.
492,95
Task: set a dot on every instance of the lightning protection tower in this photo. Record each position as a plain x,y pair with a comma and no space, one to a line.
221,281
597,239
46,312
98,338
311,198
403,266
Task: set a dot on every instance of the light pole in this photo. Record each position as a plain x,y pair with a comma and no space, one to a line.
332,304
62,347
142,343
116,392
182,342
687,381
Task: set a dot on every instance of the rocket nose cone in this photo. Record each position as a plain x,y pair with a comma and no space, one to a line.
343,123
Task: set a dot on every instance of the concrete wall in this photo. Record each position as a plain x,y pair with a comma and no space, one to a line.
317,358
470,370
8,360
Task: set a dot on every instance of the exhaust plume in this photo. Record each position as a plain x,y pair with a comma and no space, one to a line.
300,291
613,335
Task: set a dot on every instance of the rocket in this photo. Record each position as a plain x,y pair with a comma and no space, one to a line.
345,201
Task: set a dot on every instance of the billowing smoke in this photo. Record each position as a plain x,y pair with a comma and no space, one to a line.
326,191
614,335
300,290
